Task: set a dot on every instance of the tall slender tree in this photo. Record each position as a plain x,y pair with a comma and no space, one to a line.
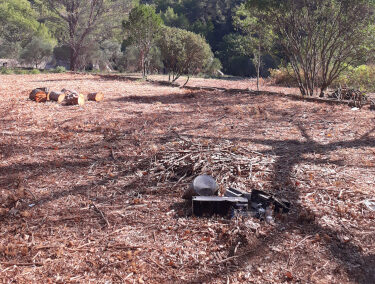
142,28
253,23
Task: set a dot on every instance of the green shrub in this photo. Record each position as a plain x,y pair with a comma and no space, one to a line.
284,76
360,77
6,71
34,71
183,52
60,69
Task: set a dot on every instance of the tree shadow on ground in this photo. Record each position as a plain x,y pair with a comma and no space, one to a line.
289,153
170,99
359,267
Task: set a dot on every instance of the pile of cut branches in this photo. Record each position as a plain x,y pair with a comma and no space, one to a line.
180,162
355,97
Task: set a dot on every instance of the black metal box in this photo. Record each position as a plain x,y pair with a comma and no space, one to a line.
210,205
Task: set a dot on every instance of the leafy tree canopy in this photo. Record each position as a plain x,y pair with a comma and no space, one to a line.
184,52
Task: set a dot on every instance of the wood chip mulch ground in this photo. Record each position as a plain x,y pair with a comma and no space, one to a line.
92,194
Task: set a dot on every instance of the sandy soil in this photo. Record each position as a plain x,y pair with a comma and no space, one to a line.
93,193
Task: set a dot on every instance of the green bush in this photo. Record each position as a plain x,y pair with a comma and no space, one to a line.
6,71
284,76
34,71
360,77
60,69
183,52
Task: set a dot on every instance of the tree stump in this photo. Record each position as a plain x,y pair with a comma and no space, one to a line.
97,97
56,96
38,95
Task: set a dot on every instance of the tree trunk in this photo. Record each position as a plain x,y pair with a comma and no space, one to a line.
258,67
97,97
175,77
38,95
322,90
73,59
56,96
143,64
186,81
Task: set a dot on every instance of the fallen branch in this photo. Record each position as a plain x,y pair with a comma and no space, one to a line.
21,263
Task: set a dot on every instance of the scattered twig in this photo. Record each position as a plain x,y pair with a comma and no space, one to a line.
97,210
181,138
299,243
157,264
321,268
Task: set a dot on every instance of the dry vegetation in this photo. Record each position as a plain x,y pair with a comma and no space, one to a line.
93,193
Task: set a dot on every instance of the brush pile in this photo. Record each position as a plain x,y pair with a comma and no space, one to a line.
229,164
355,97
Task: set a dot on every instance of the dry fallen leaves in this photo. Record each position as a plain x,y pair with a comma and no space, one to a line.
124,149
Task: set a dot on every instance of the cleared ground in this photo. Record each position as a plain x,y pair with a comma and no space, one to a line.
103,184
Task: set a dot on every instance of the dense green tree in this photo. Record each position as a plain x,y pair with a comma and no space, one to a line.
142,28
183,52
18,24
36,51
18,21
171,44
236,51
209,18
172,19
85,18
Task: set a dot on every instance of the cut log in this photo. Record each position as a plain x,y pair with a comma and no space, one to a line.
66,91
74,99
372,104
38,95
97,97
44,89
56,96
